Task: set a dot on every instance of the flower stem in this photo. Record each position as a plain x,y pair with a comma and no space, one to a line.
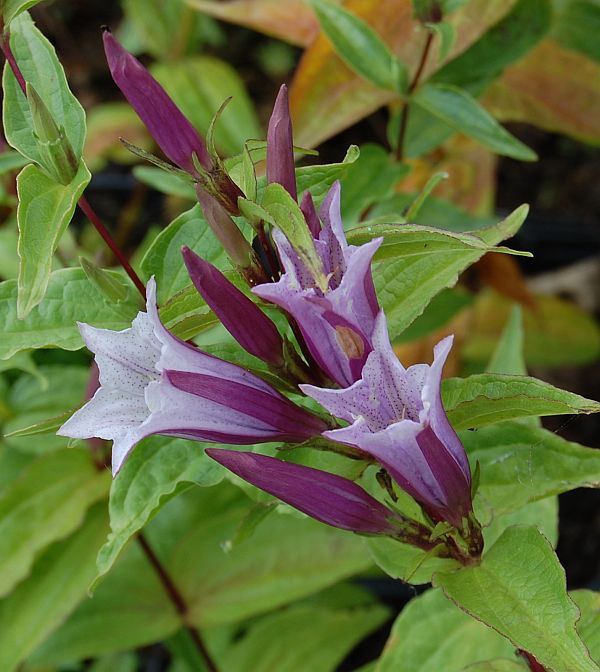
83,203
177,600
413,85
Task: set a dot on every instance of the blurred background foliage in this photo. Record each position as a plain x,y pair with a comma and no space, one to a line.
534,65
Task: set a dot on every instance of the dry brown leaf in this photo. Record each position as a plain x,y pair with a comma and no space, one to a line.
553,88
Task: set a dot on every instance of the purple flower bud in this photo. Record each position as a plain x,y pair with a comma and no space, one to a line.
310,214
251,328
280,145
332,499
396,415
153,383
336,324
172,131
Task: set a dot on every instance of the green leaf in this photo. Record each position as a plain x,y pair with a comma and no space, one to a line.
129,609
199,85
12,8
46,503
507,41
41,68
446,35
45,210
519,589
521,464
430,260
286,215
287,557
577,27
57,583
431,633
165,29
167,183
588,625
70,298
487,398
500,665
360,46
508,356
35,399
163,259
418,203
542,514
440,310
368,181
457,108
314,638
407,563
117,290
157,470
11,160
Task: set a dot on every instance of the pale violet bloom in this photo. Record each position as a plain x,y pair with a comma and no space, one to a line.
397,416
153,383
336,324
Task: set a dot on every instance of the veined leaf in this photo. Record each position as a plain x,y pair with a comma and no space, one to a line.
432,633
458,109
154,472
487,398
70,297
58,582
12,8
519,589
360,46
44,212
46,503
42,69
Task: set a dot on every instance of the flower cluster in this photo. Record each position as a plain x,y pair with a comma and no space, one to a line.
153,383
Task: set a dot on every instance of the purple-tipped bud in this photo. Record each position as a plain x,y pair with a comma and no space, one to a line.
174,134
310,214
327,497
280,145
251,328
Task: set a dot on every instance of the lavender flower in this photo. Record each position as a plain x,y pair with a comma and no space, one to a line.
153,383
337,324
397,417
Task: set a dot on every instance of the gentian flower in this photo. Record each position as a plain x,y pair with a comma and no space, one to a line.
336,323
396,415
329,498
280,145
153,383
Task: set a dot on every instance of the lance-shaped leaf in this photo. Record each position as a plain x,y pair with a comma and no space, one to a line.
280,146
360,46
519,589
175,135
44,212
327,497
251,328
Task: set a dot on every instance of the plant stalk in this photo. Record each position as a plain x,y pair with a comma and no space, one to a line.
413,85
177,600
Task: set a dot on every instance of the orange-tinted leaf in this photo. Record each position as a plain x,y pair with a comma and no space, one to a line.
289,20
326,96
553,88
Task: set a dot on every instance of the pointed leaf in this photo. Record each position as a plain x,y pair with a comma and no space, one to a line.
487,398
457,108
40,66
44,212
519,589
156,471
46,503
58,582
508,356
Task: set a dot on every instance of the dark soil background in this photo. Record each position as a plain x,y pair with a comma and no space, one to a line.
563,229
